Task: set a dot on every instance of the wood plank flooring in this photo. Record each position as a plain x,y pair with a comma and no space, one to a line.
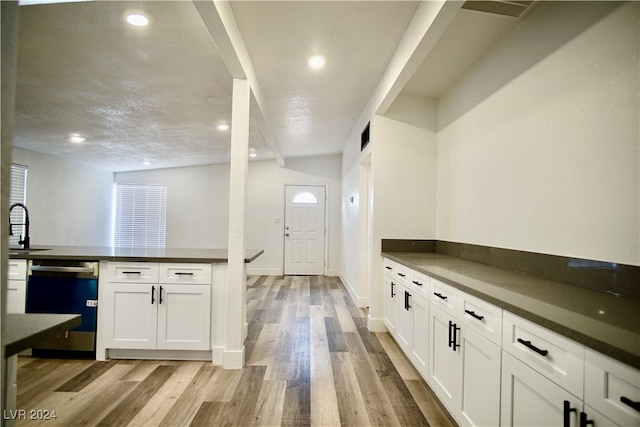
310,360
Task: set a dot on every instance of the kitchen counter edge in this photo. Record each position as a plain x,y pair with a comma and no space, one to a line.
99,253
553,306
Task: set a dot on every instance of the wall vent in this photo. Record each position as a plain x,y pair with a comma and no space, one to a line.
497,7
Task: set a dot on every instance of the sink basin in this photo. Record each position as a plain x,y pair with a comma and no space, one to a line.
27,251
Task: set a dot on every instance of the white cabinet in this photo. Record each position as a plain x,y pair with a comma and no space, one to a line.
611,390
464,363
445,361
420,347
406,312
548,379
490,367
130,315
390,304
16,286
149,306
530,399
552,355
184,317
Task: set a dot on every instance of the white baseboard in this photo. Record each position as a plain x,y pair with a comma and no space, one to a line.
217,355
376,325
264,271
159,354
360,302
233,359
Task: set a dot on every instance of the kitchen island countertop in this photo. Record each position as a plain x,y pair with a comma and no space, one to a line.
604,322
105,253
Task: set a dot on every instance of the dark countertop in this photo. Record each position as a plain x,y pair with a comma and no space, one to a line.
23,331
604,322
99,253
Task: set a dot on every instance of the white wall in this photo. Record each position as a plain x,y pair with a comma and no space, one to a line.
69,204
538,145
198,205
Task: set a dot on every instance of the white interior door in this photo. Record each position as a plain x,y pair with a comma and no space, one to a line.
304,229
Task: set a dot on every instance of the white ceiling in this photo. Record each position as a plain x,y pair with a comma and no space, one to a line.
157,93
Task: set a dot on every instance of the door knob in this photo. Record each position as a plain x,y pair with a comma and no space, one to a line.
287,234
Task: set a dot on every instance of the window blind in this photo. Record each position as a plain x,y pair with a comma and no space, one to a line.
140,216
17,194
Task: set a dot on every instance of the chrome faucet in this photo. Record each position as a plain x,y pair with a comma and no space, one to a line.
24,242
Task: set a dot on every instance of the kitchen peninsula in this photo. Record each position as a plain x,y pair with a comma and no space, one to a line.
158,303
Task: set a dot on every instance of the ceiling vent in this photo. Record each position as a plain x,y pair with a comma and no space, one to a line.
497,7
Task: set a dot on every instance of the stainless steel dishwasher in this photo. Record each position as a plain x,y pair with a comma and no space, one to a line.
65,287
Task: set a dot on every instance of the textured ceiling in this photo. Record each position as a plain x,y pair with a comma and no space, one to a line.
157,93
315,112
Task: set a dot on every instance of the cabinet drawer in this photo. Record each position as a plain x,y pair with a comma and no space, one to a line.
402,274
612,388
389,267
131,272
446,297
482,317
17,269
552,355
197,274
420,283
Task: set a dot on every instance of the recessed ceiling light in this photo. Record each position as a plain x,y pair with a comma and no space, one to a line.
137,19
316,62
146,163
223,127
76,138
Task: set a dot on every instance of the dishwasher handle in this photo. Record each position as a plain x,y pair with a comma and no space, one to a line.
61,269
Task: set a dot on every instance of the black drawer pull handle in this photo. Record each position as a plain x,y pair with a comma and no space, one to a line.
131,272
474,315
439,295
584,421
415,282
393,285
629,402
388,268
183,273
401,274
533,347
160,299
566,419
453,335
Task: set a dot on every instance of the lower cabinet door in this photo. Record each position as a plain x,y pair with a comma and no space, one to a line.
391,297
129,321
184,320
529,399
480,380
16,296
445,361
420,358
404,327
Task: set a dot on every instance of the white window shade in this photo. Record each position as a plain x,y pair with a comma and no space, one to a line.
17,194
140,216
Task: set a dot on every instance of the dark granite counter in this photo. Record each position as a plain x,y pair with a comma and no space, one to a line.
23,331
604,322
99,253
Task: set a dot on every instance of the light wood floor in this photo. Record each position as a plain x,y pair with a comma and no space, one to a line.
310,360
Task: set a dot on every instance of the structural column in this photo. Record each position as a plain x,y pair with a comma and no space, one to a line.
233,357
